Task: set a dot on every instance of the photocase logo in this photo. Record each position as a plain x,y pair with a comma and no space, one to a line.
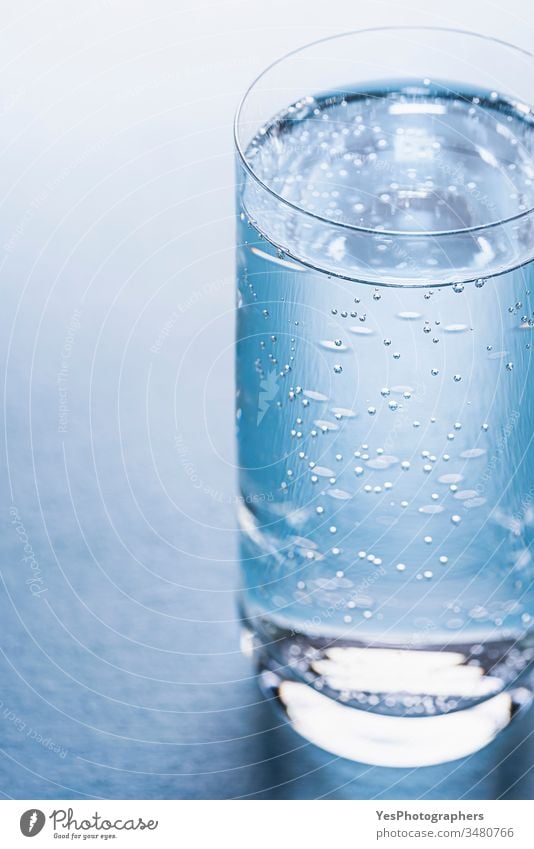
268,392
32,822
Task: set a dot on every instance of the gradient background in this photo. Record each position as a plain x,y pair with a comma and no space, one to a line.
120,673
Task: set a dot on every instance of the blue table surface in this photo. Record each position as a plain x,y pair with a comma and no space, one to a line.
121,675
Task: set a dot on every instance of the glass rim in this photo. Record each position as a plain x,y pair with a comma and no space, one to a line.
241,151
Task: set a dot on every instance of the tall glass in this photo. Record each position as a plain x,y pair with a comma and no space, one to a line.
385,395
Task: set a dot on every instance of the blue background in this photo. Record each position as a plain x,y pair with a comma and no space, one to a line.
122,678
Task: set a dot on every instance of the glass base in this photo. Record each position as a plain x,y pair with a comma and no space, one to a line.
388,706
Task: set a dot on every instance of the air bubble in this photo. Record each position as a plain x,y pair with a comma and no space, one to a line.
457,378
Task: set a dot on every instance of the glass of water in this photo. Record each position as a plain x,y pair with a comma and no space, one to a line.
385,392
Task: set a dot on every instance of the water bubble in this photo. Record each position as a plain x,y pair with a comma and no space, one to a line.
338,369
376,295
455,519
416,424
426,327
396,355
457,426
332,529
485,426
362,555
393,405
434,372
343,313
338,343
334,311
319,510
480,282
265,313
400,567
371,410
385,391
387,342
458,287
358,471
427,468
339,457
443,559
509,366
489,347
427,574
428,540
404,504
405,465
457,378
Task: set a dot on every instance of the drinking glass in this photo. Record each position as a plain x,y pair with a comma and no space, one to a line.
385,396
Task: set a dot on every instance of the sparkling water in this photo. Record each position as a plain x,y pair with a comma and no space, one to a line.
386,465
